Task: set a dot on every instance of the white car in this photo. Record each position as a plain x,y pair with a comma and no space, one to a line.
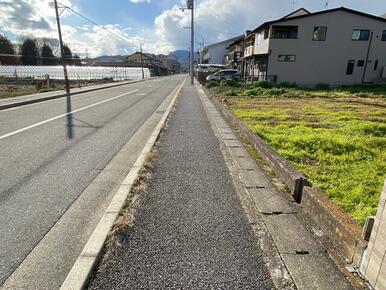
229,74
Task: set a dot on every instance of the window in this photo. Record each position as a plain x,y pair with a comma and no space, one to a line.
350,67
229,73
376,65
259,38
384,35
285,32
286,58
361,63
361,34
266,33
320,33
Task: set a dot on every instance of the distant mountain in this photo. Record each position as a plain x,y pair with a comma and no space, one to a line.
182,57
111,58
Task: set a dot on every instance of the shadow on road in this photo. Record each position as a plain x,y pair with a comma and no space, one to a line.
69,125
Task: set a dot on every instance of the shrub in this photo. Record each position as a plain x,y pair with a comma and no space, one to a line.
276,91
288,85
253,92
212,84
232,93
232,83
264,84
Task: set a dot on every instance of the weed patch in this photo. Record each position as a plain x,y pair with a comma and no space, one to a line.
335,136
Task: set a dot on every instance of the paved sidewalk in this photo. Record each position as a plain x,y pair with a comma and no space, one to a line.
190,230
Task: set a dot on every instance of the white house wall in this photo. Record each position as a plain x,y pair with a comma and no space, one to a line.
217,52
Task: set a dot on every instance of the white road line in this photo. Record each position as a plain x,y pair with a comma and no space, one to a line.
63,115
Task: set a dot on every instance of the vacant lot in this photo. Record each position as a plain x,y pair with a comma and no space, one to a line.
9,91
336,137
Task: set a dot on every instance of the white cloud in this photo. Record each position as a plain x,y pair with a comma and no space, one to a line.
36,18
215,20
30,17
97,41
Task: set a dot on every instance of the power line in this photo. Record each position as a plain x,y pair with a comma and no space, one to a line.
97,24
219,16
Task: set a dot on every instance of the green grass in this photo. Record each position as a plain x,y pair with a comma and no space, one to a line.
13,94
336,137
25,90
287,90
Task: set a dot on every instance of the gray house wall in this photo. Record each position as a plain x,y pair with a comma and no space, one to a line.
326,61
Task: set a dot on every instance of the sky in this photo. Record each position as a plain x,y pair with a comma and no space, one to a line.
159,26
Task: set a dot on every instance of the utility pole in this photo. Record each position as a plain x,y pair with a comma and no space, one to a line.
190,5
143,74
67,83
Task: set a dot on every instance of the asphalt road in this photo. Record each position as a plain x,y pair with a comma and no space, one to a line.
43,173
189,230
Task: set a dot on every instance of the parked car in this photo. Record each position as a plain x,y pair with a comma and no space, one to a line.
229,74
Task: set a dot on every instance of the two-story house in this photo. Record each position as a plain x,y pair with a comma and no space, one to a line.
336,46
249,57
236,54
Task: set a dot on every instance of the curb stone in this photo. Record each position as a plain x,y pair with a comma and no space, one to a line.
87,260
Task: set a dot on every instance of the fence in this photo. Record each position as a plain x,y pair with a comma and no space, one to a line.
74,72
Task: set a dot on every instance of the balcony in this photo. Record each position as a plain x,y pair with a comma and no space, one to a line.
261,46
235,55
248,51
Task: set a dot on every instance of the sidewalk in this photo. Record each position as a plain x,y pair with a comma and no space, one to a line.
190,230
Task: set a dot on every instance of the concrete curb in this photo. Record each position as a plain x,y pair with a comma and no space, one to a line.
292,177
337,225
87,260
61,95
